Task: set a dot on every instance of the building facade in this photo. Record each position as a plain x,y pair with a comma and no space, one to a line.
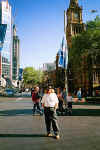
49,70
75,24
5,40
49,67
15,55
85,79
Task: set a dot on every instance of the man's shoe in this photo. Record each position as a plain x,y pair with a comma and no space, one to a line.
41,113
57,137
34,113
49,135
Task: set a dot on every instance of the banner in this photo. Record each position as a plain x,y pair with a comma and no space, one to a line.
63,54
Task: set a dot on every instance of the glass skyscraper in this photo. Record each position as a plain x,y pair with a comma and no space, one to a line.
5,40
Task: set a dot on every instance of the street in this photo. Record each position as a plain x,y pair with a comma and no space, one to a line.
20,130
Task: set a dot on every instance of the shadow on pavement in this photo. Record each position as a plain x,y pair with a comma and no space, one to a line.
16,112
75,112
83,112
22,135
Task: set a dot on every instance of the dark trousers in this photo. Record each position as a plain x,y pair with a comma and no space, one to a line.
36,105
51,118
61,106
70,105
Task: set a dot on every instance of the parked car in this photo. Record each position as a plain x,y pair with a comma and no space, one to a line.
26,90
9,92
96,91
1,91
20,91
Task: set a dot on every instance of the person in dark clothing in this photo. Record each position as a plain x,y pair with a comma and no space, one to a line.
69,102
36,100
61,100
32,90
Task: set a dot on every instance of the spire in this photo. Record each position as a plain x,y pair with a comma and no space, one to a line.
73,2
14,30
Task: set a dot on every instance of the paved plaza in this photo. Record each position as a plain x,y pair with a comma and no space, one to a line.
19,130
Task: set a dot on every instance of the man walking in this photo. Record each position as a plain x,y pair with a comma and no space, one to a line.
50,104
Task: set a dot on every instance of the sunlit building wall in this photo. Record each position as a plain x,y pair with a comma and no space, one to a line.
15,55
5,40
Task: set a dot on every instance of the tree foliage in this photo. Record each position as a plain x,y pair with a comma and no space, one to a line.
88,42
86,45
32,76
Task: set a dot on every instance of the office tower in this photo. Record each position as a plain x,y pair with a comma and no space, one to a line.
15,55
5,40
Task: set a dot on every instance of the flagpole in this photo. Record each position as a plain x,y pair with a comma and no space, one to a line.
66,52
66,79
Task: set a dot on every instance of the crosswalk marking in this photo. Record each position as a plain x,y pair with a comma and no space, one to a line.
18,99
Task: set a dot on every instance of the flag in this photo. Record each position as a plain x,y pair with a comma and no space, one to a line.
63,54
60,58
66,56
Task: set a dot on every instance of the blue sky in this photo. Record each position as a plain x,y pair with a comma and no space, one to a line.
40,27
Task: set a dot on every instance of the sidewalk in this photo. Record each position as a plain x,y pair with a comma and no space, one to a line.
28,133
22,131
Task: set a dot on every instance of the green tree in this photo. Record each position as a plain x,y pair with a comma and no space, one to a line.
32,76
86,45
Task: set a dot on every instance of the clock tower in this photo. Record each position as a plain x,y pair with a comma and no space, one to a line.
74,21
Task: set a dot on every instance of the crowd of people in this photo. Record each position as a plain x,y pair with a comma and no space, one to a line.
64,102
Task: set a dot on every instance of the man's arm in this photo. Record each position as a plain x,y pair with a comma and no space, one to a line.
57,101
43,105
56,106
42,101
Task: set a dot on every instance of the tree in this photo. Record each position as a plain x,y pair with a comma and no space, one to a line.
32,76
86,50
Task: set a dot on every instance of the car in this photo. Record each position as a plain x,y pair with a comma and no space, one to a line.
1,91
26,90
8,92
96,91
20,91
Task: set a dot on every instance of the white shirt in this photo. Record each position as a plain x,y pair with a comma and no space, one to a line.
49,100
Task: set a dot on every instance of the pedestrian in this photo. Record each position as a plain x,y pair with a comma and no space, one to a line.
79,94
32,90
36,100
60,98
69,102
50,104
64,96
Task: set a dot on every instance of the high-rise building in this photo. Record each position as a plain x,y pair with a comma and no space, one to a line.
5,40
15,55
